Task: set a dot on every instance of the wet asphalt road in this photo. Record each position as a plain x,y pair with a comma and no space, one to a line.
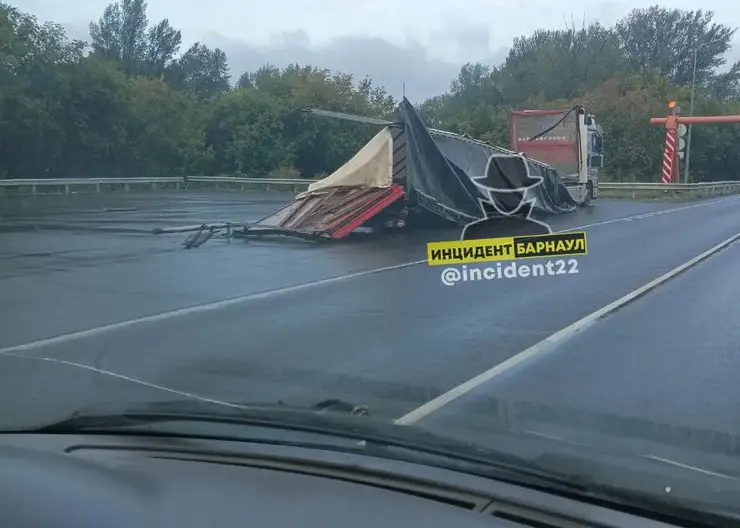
658,377
393,339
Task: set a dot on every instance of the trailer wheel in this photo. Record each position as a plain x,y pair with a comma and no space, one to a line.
589,194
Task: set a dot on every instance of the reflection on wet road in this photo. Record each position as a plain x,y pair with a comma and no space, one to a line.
307,322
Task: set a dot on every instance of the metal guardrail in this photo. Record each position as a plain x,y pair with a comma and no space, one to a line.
256,181
667,190
66,185
236,179
69,185
86,181
667,186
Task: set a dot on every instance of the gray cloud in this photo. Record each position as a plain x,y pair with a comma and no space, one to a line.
387,64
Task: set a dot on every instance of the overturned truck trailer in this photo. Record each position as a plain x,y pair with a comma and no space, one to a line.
410,175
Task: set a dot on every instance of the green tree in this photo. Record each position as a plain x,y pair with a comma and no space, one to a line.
715,155
662,41
32,57
134,107
243,130
623,74
320,145
122,35
624,106
202,71
560,64
167,126
95,112
163,43
726,86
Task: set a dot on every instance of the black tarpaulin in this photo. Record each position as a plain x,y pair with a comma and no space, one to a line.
519,191
467,180
432,180
513,179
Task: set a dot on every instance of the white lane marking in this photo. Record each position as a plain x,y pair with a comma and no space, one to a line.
651,457
654,213
184,394
92,332
692,468
549,343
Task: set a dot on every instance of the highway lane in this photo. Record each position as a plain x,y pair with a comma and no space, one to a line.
393,340
102,266
657,377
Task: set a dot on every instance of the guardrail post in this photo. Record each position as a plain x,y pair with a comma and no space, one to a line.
125,187
66,188
97,188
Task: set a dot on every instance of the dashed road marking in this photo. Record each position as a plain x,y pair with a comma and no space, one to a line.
93,332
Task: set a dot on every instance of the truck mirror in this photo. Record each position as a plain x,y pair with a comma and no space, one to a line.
596,160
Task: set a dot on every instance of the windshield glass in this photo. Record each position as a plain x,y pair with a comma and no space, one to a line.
189,212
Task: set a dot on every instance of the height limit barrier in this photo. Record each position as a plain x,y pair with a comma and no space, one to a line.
670,169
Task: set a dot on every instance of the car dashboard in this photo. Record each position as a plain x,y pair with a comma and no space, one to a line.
68,480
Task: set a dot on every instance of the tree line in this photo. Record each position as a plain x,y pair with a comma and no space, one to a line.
131,102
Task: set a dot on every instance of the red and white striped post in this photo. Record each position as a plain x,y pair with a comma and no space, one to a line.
670,172
670,154
670,149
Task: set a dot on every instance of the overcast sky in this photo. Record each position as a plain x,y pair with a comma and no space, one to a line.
421,43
